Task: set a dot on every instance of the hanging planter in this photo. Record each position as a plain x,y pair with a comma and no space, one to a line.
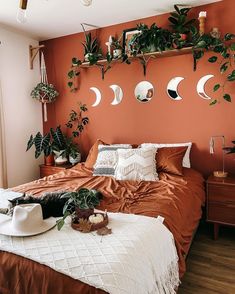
44,92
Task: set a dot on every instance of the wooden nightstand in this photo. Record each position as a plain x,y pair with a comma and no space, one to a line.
220,202
47,170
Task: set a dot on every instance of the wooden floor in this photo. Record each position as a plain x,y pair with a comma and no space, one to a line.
211,264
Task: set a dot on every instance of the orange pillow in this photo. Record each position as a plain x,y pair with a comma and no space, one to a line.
93,153
169,159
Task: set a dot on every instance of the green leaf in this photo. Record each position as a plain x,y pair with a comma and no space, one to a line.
85,120
76,61
231,77
200,44
177,9
30,142
41,143
216,87
218,49
70,84
213,59
58,138
213,102
229,37
60,224
173,20
224,67
232,46
71,74
227,97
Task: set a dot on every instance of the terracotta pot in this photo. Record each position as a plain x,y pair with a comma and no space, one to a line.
49,160
84,213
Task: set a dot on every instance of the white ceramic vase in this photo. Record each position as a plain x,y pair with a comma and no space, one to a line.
75,160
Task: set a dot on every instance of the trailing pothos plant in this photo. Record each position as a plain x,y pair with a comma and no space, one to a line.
224,51
77,121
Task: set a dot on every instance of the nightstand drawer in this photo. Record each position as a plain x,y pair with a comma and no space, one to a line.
218,193
221,212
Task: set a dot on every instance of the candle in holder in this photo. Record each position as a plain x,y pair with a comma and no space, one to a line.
202,21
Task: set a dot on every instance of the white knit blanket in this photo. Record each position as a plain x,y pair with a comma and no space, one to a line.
138,257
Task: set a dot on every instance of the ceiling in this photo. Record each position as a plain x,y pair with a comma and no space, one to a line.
48,19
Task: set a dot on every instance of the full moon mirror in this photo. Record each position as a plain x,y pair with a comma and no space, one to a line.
144,91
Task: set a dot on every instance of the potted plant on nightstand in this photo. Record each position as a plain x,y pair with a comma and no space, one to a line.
80,206
73,151
77,122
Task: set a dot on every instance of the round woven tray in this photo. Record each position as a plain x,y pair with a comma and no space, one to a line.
84,226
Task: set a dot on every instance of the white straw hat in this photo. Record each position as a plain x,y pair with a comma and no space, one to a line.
27,220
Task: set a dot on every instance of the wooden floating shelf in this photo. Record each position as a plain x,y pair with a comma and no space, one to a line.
168,53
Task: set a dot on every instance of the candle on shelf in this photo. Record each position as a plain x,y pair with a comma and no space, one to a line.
202,21
202,14
108,44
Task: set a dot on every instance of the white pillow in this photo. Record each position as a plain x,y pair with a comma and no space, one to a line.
107,159
186,159
136,164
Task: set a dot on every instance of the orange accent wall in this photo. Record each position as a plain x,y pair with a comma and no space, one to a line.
160,120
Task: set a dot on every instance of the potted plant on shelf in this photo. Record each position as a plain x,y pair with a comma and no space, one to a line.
92,51
80,205
150,39
117,48
180,24
42,144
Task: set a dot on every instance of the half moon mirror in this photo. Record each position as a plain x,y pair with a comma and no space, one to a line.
144,91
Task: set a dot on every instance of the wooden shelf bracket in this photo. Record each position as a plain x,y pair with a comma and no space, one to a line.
33,51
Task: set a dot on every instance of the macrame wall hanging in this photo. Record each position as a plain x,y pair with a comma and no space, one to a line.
44,92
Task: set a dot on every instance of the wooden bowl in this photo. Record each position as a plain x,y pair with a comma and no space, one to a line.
85,226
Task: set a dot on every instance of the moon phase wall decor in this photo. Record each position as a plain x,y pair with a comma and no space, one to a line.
118,94
172,88
201,86
98,96
144,91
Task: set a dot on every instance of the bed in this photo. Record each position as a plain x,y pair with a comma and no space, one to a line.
178,199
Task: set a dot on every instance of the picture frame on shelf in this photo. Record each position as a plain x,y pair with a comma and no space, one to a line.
127,35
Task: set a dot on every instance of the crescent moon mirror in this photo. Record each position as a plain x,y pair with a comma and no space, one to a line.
98,96
201,86
118,94
144,91
172,88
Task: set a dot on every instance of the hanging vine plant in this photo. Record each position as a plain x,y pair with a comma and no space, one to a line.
224,58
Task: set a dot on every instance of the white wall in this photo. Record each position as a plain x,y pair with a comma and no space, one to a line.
22,114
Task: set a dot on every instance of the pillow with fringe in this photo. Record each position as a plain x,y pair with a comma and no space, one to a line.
136,165
107,159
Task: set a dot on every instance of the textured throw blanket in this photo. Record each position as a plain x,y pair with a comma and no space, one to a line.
138,257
